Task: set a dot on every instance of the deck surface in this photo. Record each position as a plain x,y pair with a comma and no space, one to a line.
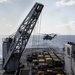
26,70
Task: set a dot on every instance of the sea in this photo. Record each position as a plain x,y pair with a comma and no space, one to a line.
37,41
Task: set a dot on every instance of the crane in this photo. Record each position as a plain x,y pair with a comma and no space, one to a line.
14,47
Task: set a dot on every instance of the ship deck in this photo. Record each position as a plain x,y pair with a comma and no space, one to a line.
26,69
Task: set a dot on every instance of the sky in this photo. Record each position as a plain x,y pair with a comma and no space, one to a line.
58,16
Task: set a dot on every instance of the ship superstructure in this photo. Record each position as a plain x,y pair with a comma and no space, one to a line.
70,58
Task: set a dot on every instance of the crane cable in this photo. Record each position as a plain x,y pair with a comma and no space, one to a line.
36,34
34,37
39,34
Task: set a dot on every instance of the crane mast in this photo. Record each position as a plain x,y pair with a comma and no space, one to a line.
14,47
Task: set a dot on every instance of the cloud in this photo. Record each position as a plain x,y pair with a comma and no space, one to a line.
67,29
2,1
71,23
65,3
5,1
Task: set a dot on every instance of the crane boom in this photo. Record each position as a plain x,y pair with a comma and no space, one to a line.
18,43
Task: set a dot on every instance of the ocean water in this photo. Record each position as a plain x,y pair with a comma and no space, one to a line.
58,42
36,41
